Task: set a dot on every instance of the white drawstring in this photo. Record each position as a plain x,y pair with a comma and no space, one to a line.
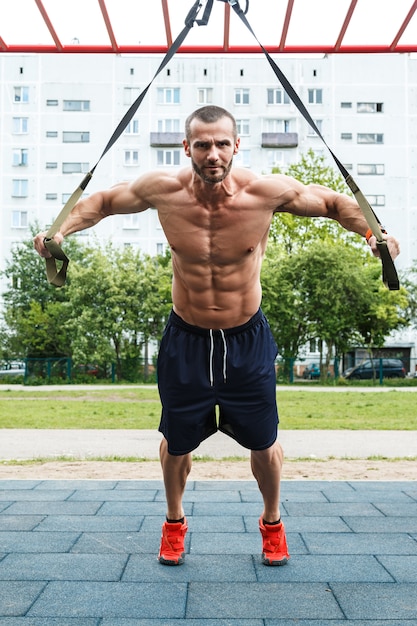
212,356
224,354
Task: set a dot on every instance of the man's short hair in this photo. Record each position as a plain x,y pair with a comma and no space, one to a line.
209,114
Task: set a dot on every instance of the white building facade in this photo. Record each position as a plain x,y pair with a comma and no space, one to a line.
58,112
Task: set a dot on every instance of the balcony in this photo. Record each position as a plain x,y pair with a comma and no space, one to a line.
279,140
159,140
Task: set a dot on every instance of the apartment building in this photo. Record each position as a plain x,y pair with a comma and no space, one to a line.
58,112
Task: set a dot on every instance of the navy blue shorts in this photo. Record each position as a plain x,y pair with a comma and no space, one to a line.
234,369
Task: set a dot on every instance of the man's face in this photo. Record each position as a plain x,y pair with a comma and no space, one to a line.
211,148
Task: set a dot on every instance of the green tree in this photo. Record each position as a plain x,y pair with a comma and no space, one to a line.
281,302
385,312
147,282
292,232
114,303
319,280
119,301
409,282
33,314
332,292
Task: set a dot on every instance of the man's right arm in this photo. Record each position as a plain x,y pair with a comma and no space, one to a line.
120,199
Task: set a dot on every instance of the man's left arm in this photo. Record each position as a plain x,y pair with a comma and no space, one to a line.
319,201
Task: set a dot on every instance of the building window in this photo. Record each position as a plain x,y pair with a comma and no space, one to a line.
243,127
168,95
131,221
132,128
205,95
315,96
20,188
242,158
168,157
160,248
370,107
52,103
313,347
75,137
370,138
131,157
346,136
20,125
130,94
76,105
376,200
51,165
20,157
21,94
241,96
51,196
74,168
51,133
19,219
345,105
311,132
371,169
277,96
169,126
277,126
275,158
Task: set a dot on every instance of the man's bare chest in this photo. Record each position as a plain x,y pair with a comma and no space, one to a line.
221,234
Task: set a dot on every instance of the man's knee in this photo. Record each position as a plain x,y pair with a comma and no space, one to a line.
271,455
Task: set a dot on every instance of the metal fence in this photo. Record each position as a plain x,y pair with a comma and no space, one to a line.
62,370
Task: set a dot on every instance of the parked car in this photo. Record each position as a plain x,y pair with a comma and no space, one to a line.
311,371
12,369
90,370
391,368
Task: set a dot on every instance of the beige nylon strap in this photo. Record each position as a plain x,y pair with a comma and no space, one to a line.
389,273
54,275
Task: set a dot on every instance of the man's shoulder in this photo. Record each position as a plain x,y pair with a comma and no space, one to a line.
163,181
271,183
272,191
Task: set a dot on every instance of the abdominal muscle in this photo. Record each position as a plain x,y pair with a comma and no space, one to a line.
216,297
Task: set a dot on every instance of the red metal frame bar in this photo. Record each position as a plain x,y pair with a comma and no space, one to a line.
167,22
226,28
404,25
44,13
77,49
345,25
109,25
286,25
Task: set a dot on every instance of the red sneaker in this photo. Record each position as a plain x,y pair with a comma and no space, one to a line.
171,551
274,543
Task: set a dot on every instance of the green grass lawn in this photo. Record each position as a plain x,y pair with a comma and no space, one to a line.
140,408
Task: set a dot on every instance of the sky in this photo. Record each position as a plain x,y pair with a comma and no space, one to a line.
141,21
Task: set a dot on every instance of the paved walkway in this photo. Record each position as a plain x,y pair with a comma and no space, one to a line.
30,444
82,553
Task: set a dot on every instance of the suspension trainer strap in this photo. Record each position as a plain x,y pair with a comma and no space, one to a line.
389,273
57,277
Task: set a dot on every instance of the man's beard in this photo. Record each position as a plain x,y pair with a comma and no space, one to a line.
211,180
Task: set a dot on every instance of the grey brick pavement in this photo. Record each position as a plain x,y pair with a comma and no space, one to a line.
83,553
